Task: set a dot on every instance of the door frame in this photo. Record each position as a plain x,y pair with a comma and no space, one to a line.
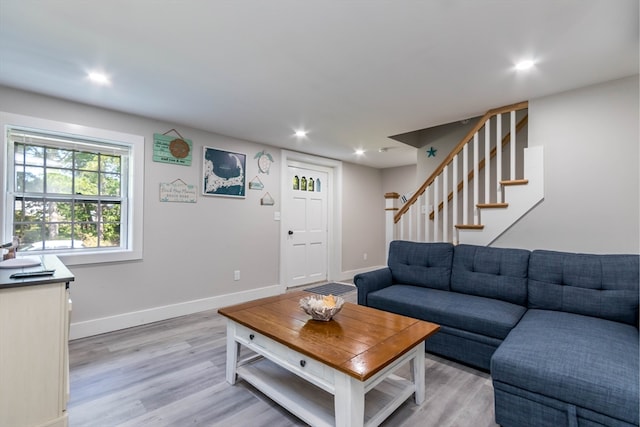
334,208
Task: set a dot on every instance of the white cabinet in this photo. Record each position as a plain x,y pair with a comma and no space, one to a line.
34,330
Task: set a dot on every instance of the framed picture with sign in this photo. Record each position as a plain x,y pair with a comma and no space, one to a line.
223,173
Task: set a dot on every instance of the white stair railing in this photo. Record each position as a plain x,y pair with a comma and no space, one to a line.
447,199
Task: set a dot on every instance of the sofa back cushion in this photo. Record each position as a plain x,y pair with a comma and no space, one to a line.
604,286
491,272
421,264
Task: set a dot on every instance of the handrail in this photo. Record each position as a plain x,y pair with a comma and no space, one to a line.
481,165
458,148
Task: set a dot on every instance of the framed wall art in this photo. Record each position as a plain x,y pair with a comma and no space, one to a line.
223,173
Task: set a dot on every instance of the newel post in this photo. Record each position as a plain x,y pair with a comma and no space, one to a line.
391,207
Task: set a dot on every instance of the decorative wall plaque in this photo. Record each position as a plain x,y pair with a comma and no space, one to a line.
169,149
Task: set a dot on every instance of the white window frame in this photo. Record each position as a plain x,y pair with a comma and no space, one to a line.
132,249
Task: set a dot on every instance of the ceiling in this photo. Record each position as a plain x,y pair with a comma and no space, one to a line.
351,72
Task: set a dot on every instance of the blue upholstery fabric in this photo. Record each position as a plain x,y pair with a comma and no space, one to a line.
491,272
466,347
371,281
578,360
558,330
421,264
603,286
515,407
484,316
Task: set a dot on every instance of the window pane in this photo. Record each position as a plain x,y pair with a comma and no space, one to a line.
59,181
87,161
18,210
110,212
19,179
30,210
57,231
110,184
110,164
30,236
18,154
34,155
87,183
58,212
87,232
110,235
34,180
61,230
86,211
60,158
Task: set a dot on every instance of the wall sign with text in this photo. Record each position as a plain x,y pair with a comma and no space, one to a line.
169,149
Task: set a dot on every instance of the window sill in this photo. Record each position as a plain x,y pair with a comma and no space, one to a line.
89,257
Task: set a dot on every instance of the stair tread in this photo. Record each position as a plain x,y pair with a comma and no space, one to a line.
469,226
492,205
514,182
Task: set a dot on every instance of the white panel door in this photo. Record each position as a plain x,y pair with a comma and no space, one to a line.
305,222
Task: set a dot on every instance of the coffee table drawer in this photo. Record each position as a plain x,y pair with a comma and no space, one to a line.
286,357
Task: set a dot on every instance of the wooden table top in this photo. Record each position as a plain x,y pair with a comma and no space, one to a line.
359,341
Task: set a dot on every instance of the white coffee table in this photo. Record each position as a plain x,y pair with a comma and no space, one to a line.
337,373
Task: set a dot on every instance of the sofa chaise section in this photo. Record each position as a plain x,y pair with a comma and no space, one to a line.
573,358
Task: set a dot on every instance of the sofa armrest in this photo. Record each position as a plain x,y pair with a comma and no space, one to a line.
371,281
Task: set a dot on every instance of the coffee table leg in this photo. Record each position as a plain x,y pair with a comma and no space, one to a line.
233,348
417,370
348,401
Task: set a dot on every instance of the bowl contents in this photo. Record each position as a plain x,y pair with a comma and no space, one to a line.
321,307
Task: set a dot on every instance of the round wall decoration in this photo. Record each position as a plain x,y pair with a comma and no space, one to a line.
179,148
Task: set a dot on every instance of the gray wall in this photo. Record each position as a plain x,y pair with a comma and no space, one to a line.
591,158
363,228
401,179
191,250
443,139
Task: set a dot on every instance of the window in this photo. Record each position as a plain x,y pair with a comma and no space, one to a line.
72,194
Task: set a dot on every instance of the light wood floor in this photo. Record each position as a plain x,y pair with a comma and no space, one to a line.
172,373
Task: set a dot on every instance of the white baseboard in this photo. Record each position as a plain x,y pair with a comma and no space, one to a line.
349,275
127,320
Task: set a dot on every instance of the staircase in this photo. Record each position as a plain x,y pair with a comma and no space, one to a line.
485,185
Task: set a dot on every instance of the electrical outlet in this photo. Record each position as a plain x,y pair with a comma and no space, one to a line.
364,256
236,275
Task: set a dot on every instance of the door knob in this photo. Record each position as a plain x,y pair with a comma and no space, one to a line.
290,232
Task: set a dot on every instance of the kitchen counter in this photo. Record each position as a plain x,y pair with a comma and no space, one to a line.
34,338
47,262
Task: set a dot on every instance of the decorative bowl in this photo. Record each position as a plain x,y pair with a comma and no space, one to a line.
321,307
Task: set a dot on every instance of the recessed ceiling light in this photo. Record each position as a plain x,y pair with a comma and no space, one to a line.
301,133
99,78
359,152
525,65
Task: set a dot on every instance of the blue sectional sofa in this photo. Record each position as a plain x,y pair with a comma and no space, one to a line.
557,331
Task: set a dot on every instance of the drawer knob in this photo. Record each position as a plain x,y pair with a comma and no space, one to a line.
303,362
251,336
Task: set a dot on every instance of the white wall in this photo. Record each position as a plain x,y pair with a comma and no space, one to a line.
191,250
591,148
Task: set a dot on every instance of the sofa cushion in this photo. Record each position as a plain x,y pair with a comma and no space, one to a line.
421,264
484,316
603,286
491,272
584,361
